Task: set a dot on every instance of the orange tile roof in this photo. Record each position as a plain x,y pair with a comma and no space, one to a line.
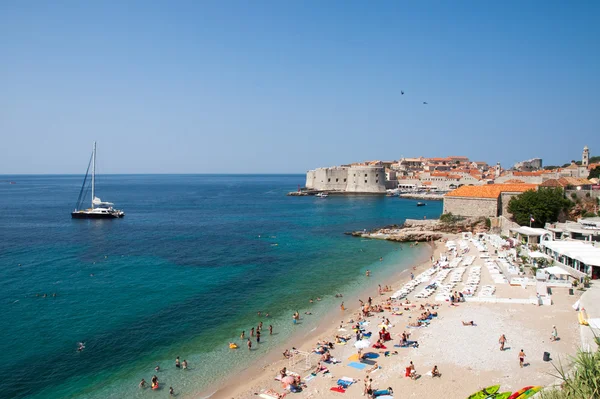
490,190
426,183
538,173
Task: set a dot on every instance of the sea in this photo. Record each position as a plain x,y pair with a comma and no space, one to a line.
182,274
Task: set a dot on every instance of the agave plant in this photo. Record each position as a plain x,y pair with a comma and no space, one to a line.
583,381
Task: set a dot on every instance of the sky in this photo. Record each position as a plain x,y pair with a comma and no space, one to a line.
287,86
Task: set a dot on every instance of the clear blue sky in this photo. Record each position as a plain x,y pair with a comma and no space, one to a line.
286,86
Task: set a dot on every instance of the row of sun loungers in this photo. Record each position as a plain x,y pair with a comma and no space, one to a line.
487,291
412,284
473,279
496,272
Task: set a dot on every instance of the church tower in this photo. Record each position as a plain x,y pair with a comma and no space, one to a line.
585,159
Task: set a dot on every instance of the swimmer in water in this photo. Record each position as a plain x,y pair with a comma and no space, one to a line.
143,383
81,346
157,368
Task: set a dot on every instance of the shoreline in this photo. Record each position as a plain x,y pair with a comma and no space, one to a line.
258,377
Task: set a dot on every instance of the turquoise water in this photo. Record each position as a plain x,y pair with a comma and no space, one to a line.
182,274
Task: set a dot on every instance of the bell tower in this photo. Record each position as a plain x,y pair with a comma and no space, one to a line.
585,158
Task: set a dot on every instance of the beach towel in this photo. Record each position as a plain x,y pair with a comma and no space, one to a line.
344,384
356,365
337,389
385,397
371,355
347,379
353,357
265,396
309,377
381,392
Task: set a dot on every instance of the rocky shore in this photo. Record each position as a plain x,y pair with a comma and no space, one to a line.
431,197
423,230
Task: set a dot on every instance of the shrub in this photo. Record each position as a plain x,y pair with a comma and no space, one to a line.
573,195
448,218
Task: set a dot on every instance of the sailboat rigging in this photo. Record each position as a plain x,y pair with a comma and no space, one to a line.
99,209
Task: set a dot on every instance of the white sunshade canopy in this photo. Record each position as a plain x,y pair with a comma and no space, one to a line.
583,252
557,271
538,254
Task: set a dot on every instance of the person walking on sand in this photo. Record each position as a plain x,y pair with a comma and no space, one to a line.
342,307
521,358
171,391
554,335
502,341
249,344
368,389
270,329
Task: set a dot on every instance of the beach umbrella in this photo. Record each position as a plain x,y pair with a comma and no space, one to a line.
288,380
362,344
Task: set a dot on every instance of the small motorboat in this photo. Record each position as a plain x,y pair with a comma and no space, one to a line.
322,195
421,204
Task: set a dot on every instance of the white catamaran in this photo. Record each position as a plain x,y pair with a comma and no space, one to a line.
99,209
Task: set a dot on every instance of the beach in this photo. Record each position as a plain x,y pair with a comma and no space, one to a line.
468,357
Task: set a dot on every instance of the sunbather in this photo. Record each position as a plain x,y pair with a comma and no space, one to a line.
468,323
435,372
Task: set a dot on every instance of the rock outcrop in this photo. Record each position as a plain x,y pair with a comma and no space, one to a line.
423,230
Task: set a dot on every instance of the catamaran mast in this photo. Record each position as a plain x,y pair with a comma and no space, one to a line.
94,175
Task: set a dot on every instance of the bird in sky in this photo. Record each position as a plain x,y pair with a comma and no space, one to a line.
424,102
402,92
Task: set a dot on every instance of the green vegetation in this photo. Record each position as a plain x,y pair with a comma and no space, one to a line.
589,215
595,159
488,223
582,382
449,218
594,173
544,205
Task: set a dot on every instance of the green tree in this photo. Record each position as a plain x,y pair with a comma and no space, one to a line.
544,205
594,173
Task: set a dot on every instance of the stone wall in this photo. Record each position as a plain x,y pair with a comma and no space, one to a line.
366,179
471,207
331,179
310,179
504,200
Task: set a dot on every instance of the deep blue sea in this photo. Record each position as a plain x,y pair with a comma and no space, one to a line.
184,272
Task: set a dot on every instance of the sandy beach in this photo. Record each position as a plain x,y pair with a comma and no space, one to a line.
468,357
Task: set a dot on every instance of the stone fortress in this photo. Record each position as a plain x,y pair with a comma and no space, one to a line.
359,179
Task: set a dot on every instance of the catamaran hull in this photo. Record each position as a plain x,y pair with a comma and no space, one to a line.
83,215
